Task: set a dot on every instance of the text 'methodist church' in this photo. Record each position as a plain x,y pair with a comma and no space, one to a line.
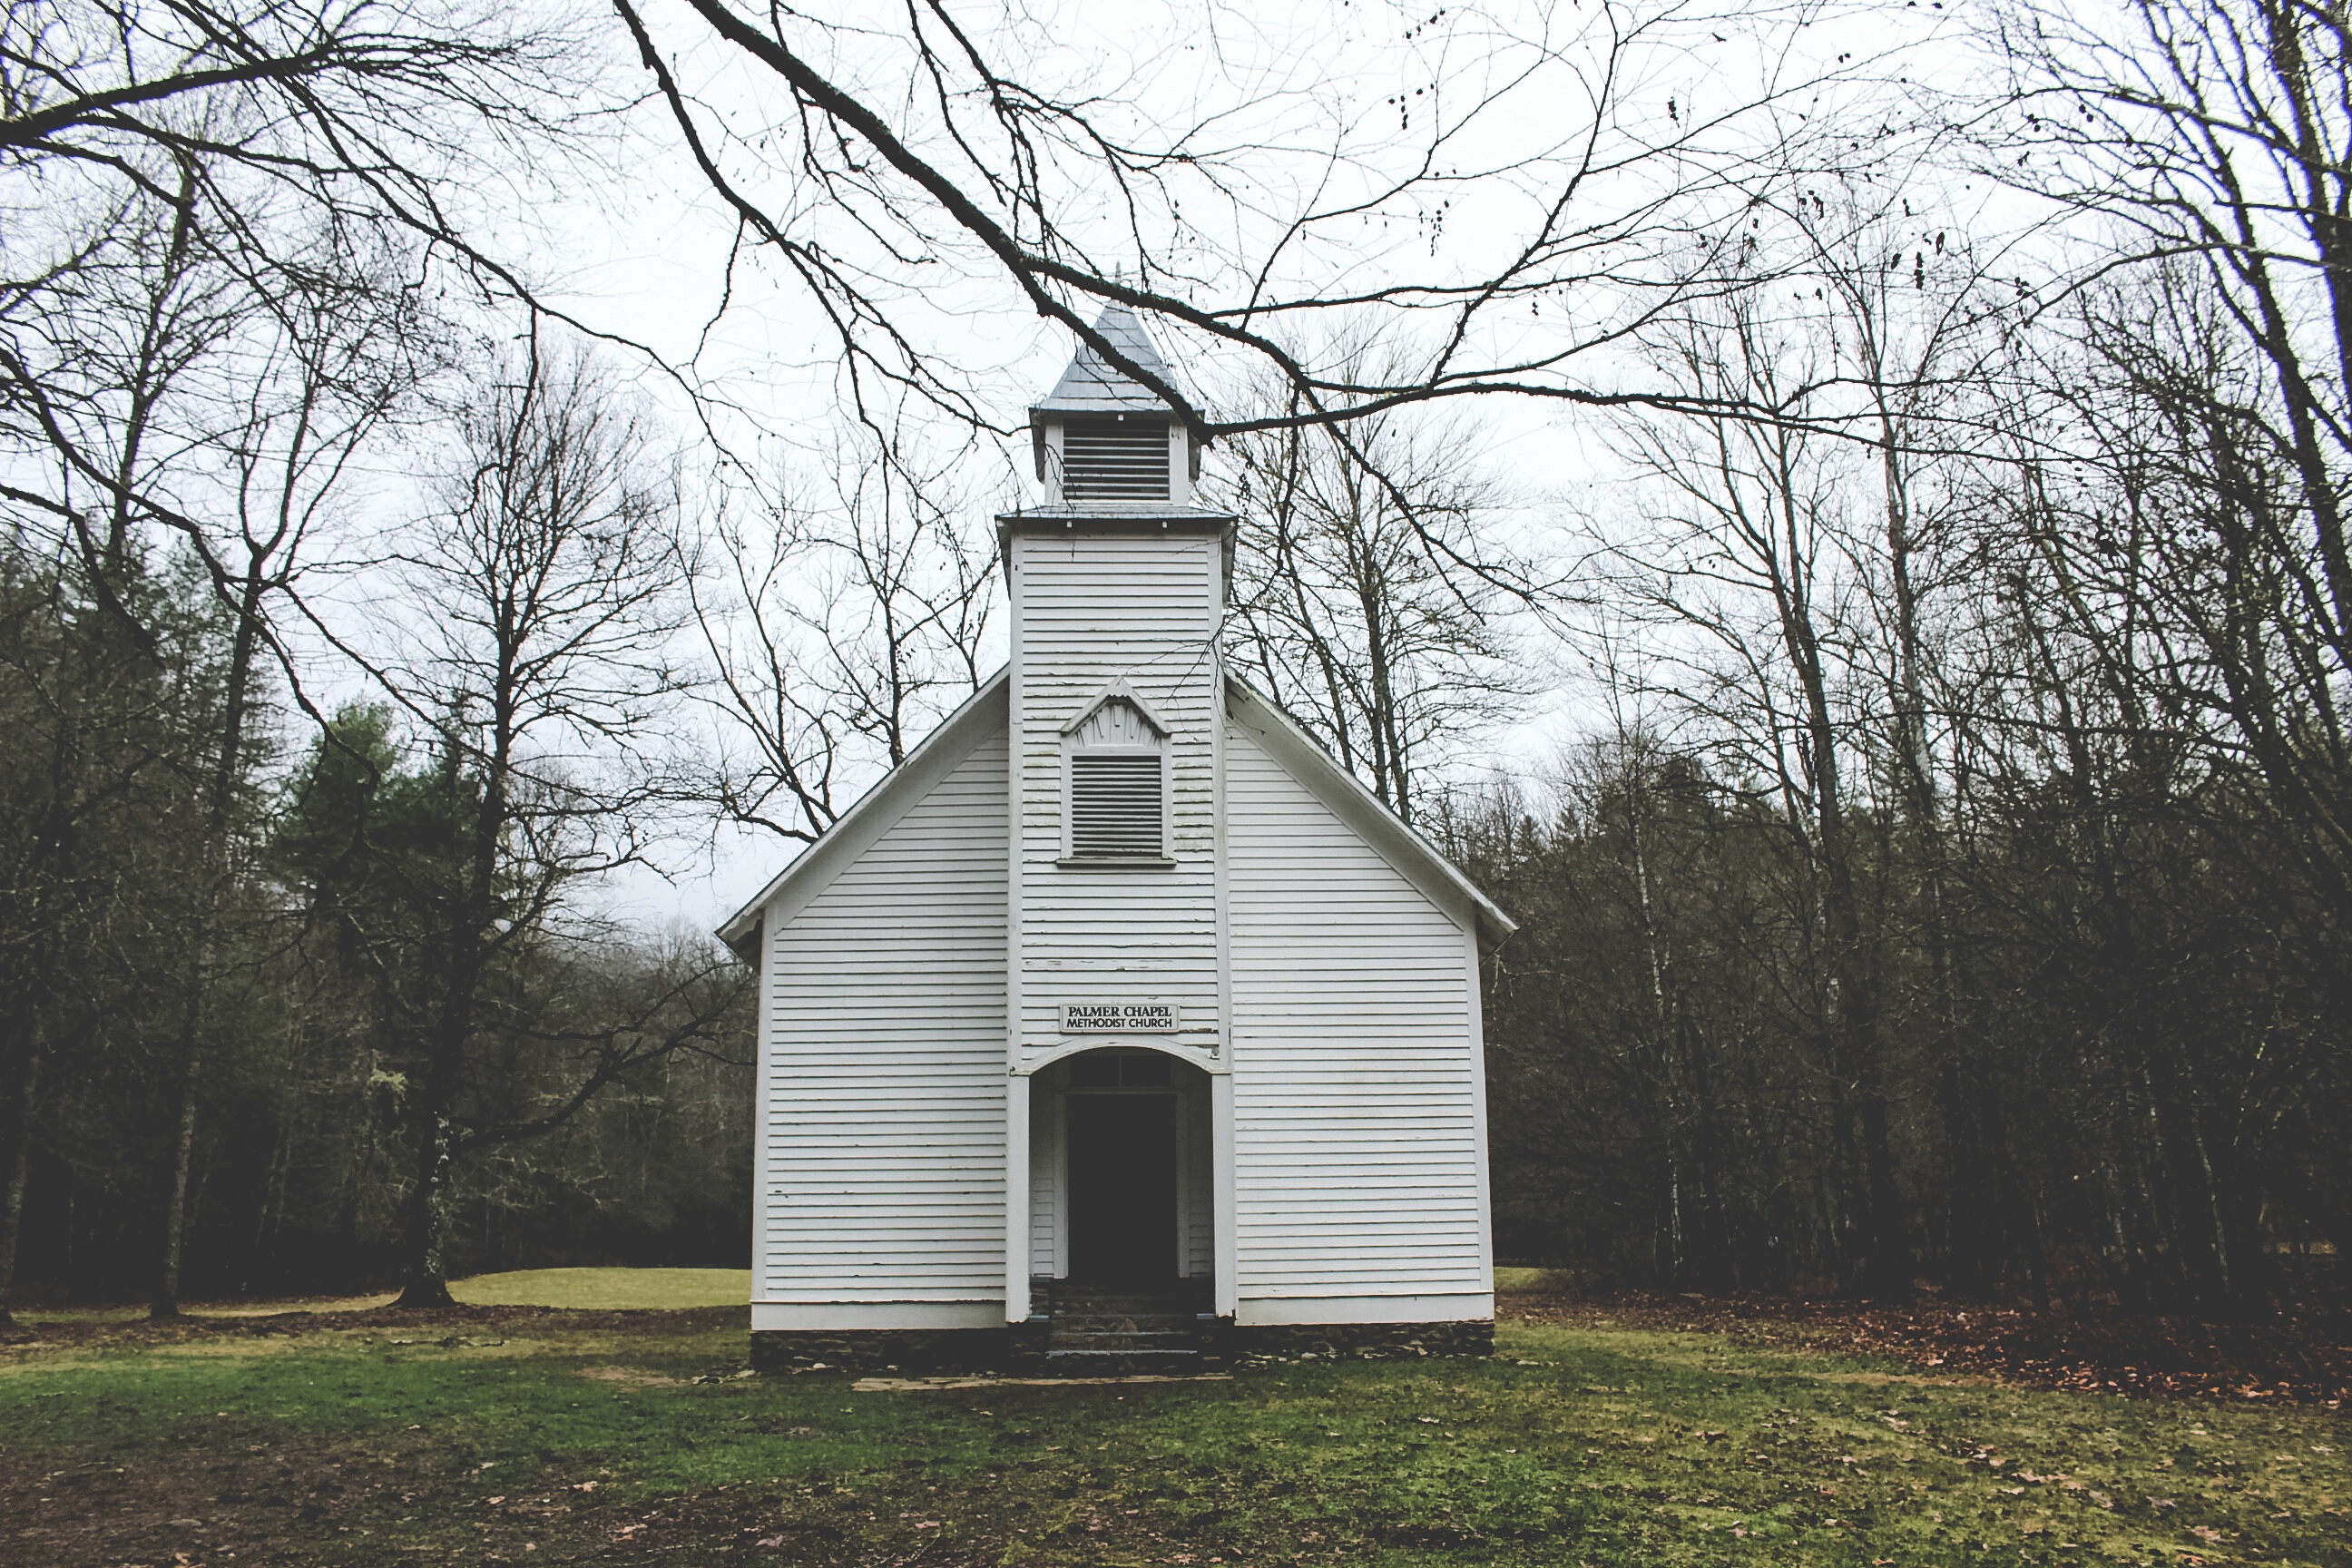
1118,1023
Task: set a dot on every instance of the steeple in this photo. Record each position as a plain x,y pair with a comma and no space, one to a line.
1115,586
1105,443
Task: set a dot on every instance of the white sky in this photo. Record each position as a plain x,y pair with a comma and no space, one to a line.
643,254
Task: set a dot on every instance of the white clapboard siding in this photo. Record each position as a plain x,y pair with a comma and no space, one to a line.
883,1080
1098,611
1356,1094
1200,1183
1045,1223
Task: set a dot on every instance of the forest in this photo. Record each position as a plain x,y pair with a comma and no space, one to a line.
1902,698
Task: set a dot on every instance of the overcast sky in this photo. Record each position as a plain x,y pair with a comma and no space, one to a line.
1275,89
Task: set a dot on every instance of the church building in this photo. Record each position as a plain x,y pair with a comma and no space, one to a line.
1118,1024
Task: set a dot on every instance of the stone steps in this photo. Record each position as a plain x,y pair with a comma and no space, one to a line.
1122,1362
1098,1332
1110,1323
1133,1340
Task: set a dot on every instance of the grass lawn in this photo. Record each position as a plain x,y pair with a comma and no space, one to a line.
606,1289
520,1436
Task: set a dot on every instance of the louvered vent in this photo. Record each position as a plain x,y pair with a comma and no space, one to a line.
1114,459
1114,808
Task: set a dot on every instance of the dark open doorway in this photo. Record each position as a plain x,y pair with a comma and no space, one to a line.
1122,1189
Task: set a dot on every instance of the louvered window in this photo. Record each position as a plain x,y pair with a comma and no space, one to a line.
1114,459
1114,808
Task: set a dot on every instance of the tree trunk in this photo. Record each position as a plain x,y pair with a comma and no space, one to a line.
466,943
20,1161
425,1220
166,1304
1856,1047
218,798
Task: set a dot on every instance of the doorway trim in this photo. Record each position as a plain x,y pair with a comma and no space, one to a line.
1038,1254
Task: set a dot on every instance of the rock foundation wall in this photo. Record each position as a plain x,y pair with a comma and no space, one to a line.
1022,1347
898,1350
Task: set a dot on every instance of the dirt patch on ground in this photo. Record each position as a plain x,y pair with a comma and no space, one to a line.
405,1507
258,1502
2302,1357
630,1376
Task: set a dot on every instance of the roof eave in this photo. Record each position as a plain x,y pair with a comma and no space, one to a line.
1492,925
741,931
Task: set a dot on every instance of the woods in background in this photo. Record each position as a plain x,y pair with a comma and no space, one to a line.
1950,879
288,1015
1960,890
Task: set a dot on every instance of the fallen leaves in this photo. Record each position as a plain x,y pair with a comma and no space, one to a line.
2303,1356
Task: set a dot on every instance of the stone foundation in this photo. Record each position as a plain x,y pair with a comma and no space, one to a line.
895,1350
1356,1342
1021,1348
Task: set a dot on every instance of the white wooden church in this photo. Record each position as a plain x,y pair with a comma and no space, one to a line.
1118,1018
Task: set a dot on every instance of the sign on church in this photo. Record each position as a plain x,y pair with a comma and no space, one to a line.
1118,1018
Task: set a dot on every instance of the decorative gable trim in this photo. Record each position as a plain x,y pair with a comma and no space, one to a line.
1414,858
1117,691
876,813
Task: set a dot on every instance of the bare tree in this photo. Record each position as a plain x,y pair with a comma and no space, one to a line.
1214,204
2212,143
545,597
1747,568
234,135
313,377
1900,292
844,618
1345,612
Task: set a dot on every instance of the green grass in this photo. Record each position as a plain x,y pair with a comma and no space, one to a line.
1533,1279
607,1289
1574,1446
603,1290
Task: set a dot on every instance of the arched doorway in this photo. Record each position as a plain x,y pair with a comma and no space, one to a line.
1121,1172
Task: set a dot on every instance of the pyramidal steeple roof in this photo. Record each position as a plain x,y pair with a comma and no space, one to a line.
1092,385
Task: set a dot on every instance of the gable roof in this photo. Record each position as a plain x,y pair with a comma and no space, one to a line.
1413,856
876,812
